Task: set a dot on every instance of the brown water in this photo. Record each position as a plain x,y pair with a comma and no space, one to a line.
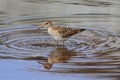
28,54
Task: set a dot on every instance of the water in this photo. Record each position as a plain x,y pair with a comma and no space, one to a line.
28,53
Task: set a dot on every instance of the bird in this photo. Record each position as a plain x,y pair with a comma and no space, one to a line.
59,33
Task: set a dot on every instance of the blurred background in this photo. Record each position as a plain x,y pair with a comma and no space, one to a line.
100,13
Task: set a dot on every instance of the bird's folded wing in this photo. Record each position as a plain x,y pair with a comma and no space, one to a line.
67,32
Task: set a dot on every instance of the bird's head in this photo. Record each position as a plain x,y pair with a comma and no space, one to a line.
47,66
46,24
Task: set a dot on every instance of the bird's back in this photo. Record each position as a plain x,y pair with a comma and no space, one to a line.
63,31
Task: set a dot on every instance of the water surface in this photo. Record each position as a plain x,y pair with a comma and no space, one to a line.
28,53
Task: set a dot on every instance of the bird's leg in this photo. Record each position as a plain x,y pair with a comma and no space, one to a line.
63,43
57,43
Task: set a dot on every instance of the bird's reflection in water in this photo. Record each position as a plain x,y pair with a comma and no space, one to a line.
59,55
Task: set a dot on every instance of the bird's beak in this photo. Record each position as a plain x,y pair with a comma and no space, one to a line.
39,27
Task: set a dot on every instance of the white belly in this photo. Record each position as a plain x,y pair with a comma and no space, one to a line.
58,38
55,34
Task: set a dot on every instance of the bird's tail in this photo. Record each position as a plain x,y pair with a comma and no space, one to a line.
82,30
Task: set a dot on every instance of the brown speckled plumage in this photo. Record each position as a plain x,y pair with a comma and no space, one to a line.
60,33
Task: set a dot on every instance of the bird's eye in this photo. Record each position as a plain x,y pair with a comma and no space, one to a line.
46,23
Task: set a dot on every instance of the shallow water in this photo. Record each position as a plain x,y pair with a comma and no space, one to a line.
28,53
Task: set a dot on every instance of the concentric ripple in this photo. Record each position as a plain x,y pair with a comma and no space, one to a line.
82,53
25,40
29,40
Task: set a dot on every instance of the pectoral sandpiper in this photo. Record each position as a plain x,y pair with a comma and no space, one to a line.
60,33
